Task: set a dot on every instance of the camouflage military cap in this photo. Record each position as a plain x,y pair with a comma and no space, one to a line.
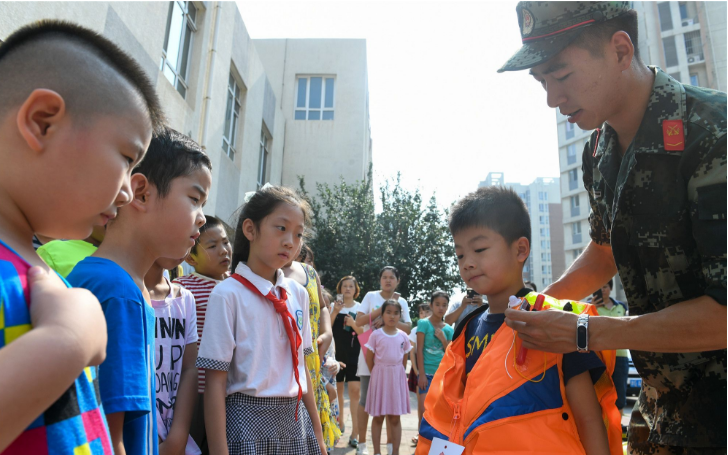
547,28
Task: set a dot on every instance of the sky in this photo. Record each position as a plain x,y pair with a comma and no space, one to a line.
440,113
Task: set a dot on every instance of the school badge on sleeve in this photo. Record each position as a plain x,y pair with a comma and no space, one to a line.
299,319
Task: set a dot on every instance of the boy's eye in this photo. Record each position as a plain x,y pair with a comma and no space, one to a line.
562,79
195,200
480,250
459,256
281,228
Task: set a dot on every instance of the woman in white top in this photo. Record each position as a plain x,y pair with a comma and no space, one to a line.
256,332
370,310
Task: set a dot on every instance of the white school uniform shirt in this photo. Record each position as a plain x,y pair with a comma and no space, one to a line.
245,336
372,301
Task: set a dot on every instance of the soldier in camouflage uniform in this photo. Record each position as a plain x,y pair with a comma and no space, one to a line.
655,171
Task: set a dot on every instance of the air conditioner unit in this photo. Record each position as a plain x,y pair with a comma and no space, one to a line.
695,59
687,22
691,59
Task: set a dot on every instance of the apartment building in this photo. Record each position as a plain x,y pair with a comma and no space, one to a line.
543,202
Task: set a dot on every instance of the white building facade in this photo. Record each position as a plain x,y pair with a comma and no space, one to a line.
542,198
213,86
688,41
323,90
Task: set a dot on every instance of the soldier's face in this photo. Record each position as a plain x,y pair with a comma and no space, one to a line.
581,86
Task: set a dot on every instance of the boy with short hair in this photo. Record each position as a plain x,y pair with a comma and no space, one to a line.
210,258
70,101
480,397
169,189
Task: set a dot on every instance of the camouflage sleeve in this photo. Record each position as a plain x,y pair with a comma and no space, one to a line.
598,232
707,196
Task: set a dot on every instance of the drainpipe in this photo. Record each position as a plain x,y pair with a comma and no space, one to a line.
209,73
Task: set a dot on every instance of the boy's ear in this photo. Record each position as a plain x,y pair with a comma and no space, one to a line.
522,248
141,191
190,260
249,229
39,117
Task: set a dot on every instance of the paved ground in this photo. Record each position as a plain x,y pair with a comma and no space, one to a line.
409,429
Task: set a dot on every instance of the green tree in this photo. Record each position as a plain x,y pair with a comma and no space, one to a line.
349,238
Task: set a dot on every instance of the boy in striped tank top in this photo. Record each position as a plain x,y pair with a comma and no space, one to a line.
210,258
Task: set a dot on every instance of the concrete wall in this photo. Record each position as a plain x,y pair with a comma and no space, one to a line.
138,28
322,151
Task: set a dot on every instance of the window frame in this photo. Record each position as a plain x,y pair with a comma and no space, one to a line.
307,103
229,143
263,156
176,70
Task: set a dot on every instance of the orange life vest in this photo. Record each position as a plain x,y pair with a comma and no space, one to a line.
501,407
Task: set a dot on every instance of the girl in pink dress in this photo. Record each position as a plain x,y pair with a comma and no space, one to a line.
386,358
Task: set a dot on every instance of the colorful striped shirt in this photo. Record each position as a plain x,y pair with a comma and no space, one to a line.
200,286
75,423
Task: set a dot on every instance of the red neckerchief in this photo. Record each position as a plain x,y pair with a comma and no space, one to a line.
288,322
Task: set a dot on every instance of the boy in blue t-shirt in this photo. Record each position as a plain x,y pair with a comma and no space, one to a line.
169,189
70,102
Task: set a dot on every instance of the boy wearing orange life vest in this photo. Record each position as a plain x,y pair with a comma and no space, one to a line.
485,396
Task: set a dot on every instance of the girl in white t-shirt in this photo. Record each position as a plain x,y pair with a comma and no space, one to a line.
258,393
175,354
370,309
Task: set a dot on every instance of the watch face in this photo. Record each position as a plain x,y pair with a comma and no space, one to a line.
581,337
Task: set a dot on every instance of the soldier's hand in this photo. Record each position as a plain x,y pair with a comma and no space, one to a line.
550,331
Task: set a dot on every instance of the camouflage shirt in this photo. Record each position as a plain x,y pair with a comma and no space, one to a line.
664,214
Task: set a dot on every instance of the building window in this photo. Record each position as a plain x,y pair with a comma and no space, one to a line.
543,219
683,10
543,196
670,51
694,80
178,43
574,202
573,179
676,76
263,159
576,232
569,130
545,232
232,115
577,253
546,257
694,46
571,154
546,244
314,98
665,16
546,269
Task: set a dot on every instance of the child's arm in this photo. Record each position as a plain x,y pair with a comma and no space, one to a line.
421,377
370,359
326,335
215,382
587,414
184,405
116,431
406,327
440,335
68,334
404,360
412,355
309,400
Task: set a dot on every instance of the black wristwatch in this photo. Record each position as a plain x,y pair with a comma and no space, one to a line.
582,334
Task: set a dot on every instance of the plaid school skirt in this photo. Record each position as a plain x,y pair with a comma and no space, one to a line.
267,426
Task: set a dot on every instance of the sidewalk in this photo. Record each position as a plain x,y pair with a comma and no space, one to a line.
409,430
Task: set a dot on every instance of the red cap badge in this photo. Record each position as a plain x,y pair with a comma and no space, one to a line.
673,135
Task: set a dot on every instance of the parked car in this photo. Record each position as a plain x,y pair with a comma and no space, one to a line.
634,381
